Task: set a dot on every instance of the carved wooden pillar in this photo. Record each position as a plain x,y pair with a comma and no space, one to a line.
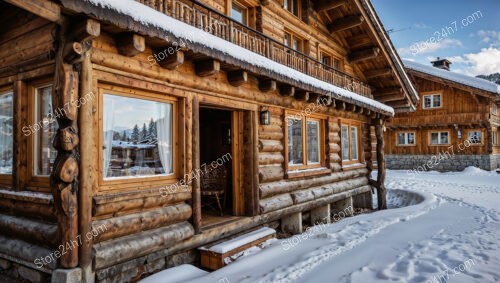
381,191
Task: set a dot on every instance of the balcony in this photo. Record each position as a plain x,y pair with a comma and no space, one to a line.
203,17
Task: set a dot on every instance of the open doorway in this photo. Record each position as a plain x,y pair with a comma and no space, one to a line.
217,146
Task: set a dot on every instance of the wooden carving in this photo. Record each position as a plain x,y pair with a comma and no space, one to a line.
66,139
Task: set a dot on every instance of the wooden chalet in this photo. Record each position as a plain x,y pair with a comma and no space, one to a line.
455,126
262,114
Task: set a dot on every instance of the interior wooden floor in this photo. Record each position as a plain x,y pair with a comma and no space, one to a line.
211,219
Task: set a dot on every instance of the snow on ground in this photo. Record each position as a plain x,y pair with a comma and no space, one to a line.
442,227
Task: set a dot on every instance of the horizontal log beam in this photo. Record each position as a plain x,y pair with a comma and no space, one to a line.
399,103
172,60
237,78
345,23
207,67
388,91
388,98
29,230
267,85
364,54
130,44
287,90
86,30
325,5
43,8
376,73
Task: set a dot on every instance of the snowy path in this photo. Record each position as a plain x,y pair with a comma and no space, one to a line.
456,225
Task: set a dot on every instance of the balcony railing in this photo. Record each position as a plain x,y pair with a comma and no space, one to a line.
203,17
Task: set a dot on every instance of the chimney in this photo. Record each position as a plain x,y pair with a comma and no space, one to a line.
441,64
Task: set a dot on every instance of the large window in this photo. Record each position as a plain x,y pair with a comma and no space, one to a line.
293,6
44,130
6,131
432,101
440,138
350,143
475,137
137,137
304,139
239,13
406,138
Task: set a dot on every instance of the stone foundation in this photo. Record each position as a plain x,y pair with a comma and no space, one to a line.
441,163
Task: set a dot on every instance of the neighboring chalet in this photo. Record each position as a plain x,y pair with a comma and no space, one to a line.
456,124
136,132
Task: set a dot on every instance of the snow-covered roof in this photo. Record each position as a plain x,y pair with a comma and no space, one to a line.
454,77
151,18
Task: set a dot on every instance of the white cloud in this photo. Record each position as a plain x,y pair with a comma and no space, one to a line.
422,47
421,26
485,62
491,37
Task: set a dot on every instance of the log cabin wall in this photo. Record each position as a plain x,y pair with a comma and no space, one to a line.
133,213
28,222
461,111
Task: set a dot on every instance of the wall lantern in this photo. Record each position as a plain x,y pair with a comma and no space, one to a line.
459,131
265,117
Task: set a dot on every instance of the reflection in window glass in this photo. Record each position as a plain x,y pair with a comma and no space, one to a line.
239,13
354,143
6,132
345,142
474,137
137,137
45,154
312,142
295,155
444,138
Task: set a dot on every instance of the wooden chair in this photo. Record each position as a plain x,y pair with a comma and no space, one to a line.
213,184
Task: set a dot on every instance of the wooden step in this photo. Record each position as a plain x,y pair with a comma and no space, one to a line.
212,257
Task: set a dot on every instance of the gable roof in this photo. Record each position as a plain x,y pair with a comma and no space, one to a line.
469,81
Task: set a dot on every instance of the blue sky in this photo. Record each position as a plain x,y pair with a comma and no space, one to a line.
467,32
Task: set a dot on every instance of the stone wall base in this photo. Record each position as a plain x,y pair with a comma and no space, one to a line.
22,273
441,163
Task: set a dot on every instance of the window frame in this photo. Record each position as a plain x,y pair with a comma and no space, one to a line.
406,135
495,137
351,124
475,130
439,138
33,179
321,126
299,8
6,179
432,95
323,54
292,37
246,12
108,184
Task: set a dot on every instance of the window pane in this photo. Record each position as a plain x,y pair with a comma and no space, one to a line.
437,101
137,137
46,124
6,132
286,40
354,143
474,137
295,141
345,142
444,138
411,138
238,13
297,44
434,138
327,60
427,102
401,138
313,142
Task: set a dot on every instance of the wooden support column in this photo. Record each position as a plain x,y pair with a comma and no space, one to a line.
65,171
19,140
292,224
320,215
380,185
86,127
196,197
130,44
